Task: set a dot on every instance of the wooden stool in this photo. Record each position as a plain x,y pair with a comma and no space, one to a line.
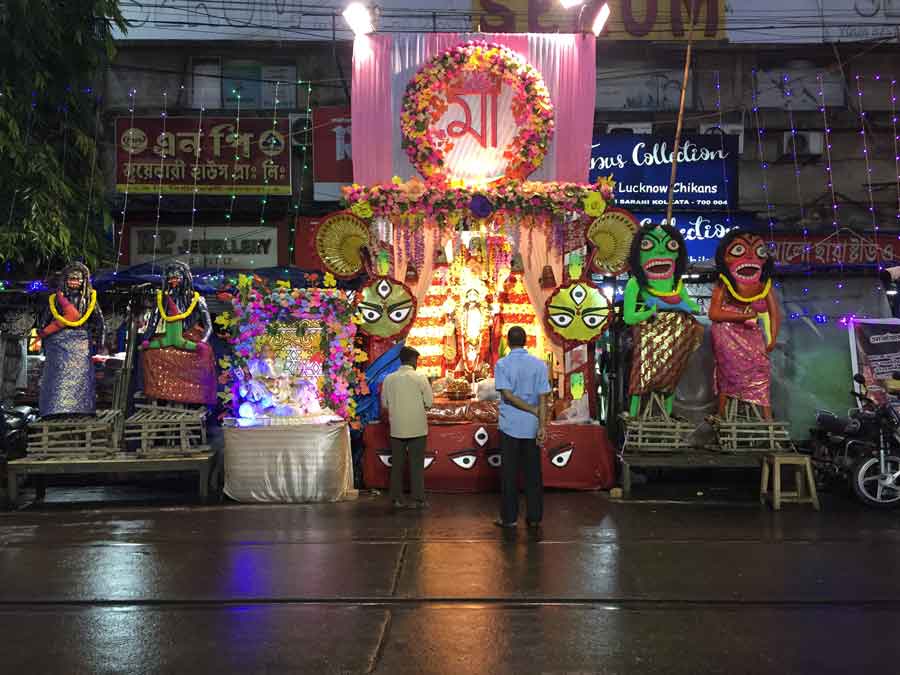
806,484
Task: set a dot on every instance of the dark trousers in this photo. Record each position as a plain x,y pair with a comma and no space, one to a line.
524,452
416,449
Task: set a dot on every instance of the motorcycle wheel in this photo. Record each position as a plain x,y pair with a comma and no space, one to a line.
866,483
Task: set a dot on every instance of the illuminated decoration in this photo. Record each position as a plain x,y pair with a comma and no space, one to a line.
359,19
896,142
414,201
340,240
577,312
320,352
746,320
505,134
610,235
428,331
760,150
865,139
120,230
385,307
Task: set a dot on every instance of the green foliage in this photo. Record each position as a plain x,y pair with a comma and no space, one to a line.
51,191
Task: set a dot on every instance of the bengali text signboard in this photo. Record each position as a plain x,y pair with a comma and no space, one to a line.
155,154
642,166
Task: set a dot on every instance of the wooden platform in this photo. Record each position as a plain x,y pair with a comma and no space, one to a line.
204,464
695,459
74,436
167,431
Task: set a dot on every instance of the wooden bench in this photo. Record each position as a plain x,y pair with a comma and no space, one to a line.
205,464
694,459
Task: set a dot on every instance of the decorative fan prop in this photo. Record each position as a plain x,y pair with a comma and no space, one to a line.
577,312
611,235
340,241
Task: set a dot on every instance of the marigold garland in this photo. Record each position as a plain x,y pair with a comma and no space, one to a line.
740,298
73,324
176,317
426,101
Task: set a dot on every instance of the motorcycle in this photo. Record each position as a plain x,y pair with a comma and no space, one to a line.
863,448
14,431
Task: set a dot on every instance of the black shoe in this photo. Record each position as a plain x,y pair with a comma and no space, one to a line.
421,505
505,526
397,503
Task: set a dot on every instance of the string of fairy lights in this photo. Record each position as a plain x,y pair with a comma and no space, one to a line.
163,147
761,155
865,144
896,145
128,174
829,181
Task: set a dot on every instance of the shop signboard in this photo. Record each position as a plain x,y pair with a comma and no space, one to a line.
875,353
332,152
179,155
666,20
848,248
221,247
813,21
268,20
641,165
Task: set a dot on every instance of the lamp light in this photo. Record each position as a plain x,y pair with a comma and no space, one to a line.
569,4
359,19
601,18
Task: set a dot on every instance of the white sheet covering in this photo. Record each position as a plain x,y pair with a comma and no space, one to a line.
295,463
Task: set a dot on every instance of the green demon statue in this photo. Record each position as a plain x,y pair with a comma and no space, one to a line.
659,309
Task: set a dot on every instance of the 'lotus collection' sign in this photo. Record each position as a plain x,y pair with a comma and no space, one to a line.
642,165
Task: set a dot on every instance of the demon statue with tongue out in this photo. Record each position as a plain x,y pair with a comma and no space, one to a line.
178,361
659,309
746,319
71,331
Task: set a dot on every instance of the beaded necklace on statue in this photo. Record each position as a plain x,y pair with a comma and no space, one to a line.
176,317
73,324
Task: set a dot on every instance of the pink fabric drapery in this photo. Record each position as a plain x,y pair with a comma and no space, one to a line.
384,64
370,113
537,252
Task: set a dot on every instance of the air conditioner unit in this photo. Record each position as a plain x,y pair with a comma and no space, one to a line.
808,143
629,128
728,130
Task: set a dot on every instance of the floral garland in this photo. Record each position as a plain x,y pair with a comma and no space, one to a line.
176,317
256,310
414,201
426,97
73,324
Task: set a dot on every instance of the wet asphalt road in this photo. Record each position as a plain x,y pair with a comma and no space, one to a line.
606,587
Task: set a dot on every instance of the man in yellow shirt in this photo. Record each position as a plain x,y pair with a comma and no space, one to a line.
406,395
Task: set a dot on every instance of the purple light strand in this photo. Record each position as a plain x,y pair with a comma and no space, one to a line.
121,234
196,173
789,104
896,143
718,85
764,165
862,131
162,161
830,178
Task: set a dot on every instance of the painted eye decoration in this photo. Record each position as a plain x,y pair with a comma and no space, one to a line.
577,312
495,460
428,461
481,437
762,251
386,308
672,245
465,460
561,456
370,314
738,250
646,244
399,315
385,459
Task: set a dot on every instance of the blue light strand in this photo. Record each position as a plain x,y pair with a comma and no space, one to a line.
896,144
789,104
764,165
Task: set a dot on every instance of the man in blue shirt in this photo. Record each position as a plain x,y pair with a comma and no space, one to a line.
523,384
